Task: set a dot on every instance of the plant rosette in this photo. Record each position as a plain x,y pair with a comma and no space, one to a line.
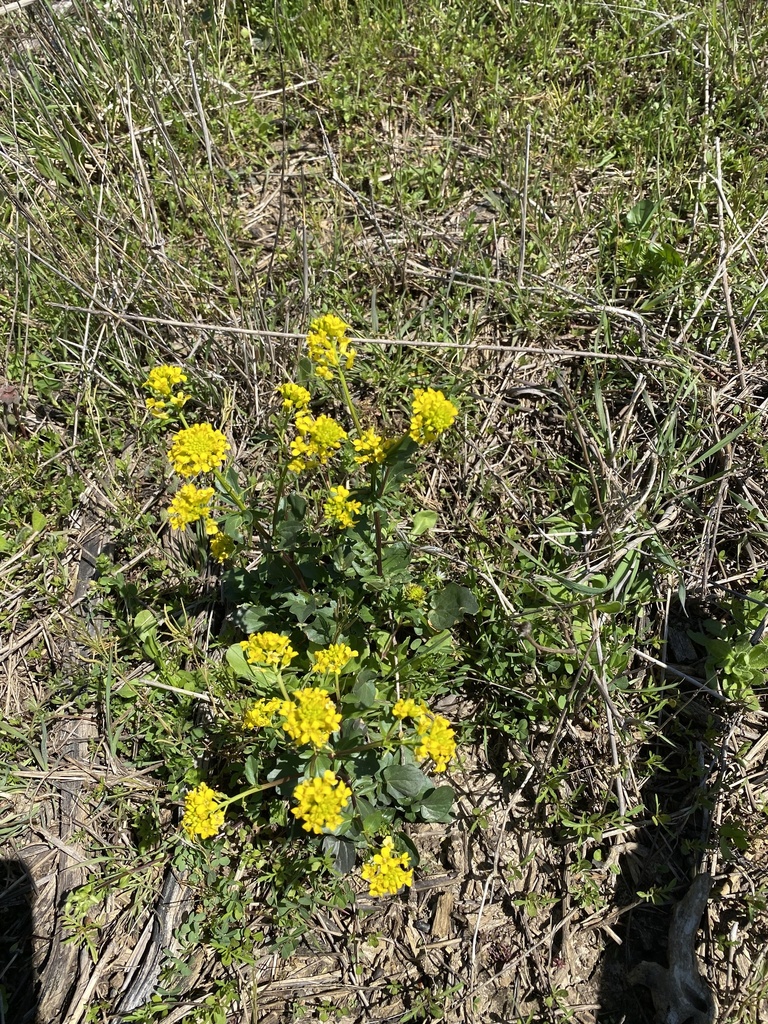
344,645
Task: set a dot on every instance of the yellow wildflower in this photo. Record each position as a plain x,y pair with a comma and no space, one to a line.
437,740
316,442
414,593
202,815
370,446
189,504
261,713
407,708
197,449
294,396
161,382
159,409
310,717
388,870
163,379
271,649
432,414
328,345
222,547
339,510
333,659
321,801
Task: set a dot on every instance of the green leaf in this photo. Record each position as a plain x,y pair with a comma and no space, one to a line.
576,588
287,771
233,479
723,442
363,807
251,618
363,765
375,821
38,521
364,692
394,558
301,606
250,767
296,506
16,733
759,657
405,782
440,643
353,730
398,463
287,533
402,840
264,678
145,624
422,522
322,629
236,661
126,690
374,582
184,680
640,214
342,853
238,585
451,605
437,806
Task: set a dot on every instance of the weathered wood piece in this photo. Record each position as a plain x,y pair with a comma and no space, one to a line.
680,995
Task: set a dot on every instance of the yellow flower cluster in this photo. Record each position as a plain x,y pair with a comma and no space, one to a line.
161,382
197,449
261,713
414,593
189,504
432,414
328,345
370,447
202,815
388,871
316,441
294,396
437,740
310,717
321,802
333,659
407,708
271,649
339,510
222,547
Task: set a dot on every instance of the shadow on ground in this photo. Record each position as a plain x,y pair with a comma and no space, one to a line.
17,982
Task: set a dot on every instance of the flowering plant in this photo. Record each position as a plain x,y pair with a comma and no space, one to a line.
346,626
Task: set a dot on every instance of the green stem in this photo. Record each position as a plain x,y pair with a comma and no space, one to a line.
348,401
281,686
279,493
256,789
385,475
262,533
377,529
230,490
294,570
